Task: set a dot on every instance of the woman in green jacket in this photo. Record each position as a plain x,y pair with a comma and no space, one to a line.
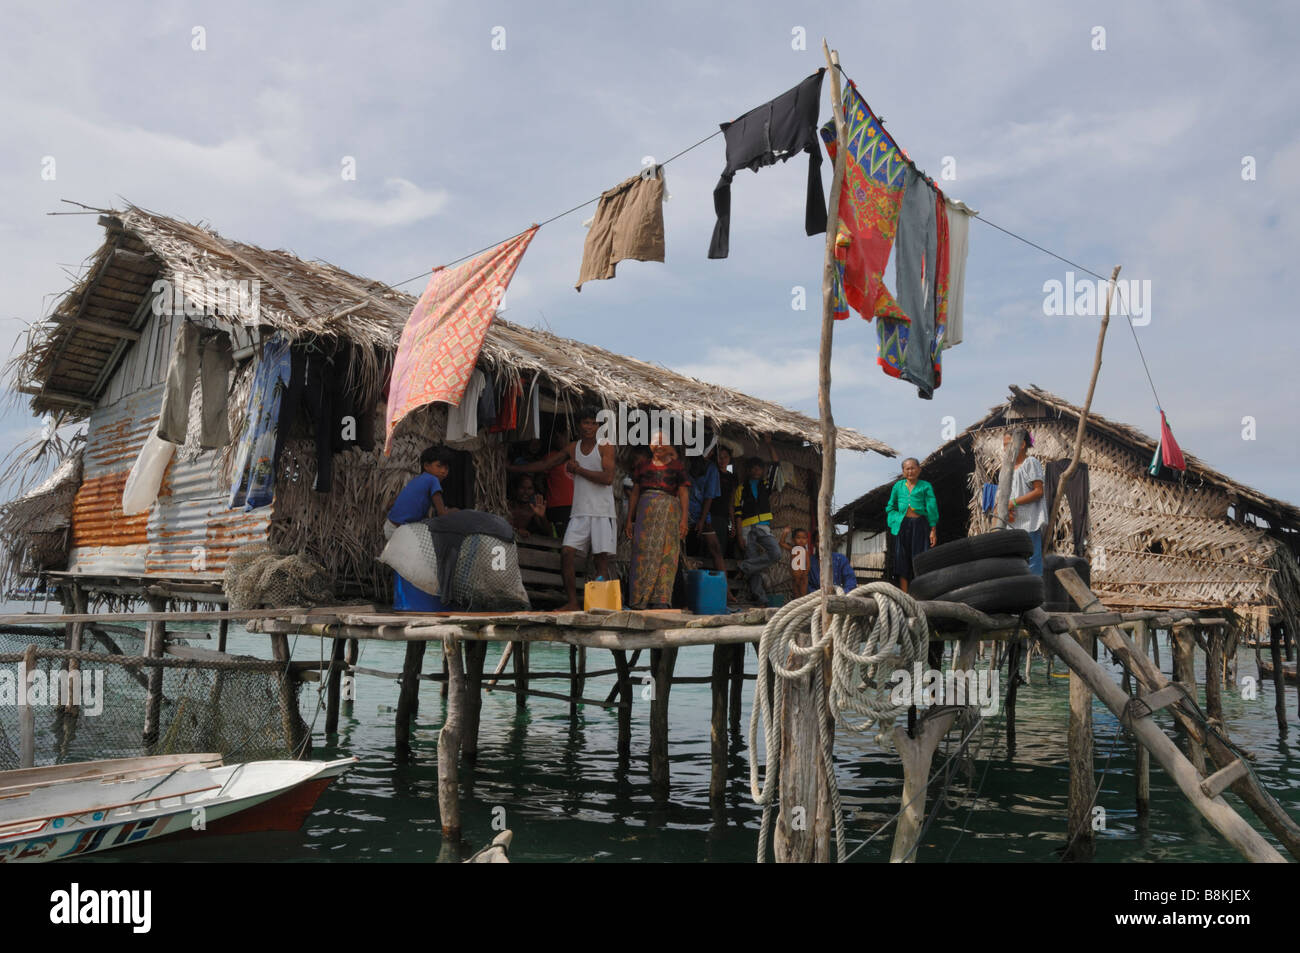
913,516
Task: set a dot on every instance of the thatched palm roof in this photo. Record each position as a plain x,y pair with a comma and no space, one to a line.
71,356
869,508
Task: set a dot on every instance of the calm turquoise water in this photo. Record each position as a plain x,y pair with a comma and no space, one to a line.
558,786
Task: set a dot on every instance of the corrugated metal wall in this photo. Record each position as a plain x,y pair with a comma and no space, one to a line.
189,530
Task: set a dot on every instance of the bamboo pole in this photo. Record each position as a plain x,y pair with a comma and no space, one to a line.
1049,531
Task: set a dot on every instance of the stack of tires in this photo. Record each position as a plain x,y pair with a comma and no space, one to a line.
989,572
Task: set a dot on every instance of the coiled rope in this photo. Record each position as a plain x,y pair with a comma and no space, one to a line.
865,649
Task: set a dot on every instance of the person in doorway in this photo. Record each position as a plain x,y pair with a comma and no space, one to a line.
1028,509
796,544
657,523
753,511
559,480
912,514
591,518
706,487
528,510
724,525
423,493
842,574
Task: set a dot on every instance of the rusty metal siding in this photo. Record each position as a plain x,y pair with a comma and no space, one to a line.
189,530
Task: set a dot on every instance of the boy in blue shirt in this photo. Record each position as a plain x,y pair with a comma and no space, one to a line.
423,492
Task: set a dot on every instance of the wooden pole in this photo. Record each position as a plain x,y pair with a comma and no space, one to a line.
223,629
624,706
1185,674
1142,766
1214,674
155,643
288,708
1152,680
802,832
1221,816
335,681
662,662
1049,532
407,702
475,656
1080,845
1279,677
72,639
718,725
520,660
917,753
737,684
26,714
449,739
1013,683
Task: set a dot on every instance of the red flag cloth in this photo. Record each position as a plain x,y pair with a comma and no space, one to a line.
1171,454
444,334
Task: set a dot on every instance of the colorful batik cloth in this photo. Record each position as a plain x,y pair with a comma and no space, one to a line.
444,334
656,546
870,196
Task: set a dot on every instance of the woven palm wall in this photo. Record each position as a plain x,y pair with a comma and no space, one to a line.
1151,543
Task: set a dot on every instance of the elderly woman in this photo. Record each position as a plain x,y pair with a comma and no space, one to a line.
913,516
657,523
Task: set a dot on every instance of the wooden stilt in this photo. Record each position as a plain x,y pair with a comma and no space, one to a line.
155,642
519,659
1013,684
335,681
1279,677
449,742
77,603
26,714
737,685
662,662
223,630
1185,674
443,690
1142,767
624,706
475,656
407,701
1079,845
574,692
722,657
917,753
1214,675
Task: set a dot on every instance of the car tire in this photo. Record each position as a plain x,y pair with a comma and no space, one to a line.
933,584
1011,594
1006,542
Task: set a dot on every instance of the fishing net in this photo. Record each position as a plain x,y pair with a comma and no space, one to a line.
240,708
257,578
487,576
411,553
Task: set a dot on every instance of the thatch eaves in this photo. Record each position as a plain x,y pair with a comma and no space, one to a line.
71,356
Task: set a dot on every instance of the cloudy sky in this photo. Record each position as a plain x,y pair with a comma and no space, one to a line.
1174,151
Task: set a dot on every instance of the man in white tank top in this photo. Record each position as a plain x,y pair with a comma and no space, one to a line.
591,521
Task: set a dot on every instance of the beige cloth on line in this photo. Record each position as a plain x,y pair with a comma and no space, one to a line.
629,223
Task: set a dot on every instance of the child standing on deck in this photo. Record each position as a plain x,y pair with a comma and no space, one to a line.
753,508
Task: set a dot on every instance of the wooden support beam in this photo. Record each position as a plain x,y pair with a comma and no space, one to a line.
625,708
718,724
449,742
1279,678
520,659
662,662
475,656
1142,757
26,714
408,704
1224,778
155,644
917,753
1080,845
1184,641
333,690
104,328
737,685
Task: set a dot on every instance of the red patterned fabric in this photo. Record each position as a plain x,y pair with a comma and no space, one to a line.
444,334
1169,449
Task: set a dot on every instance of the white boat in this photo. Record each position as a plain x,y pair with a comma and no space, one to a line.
69,810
